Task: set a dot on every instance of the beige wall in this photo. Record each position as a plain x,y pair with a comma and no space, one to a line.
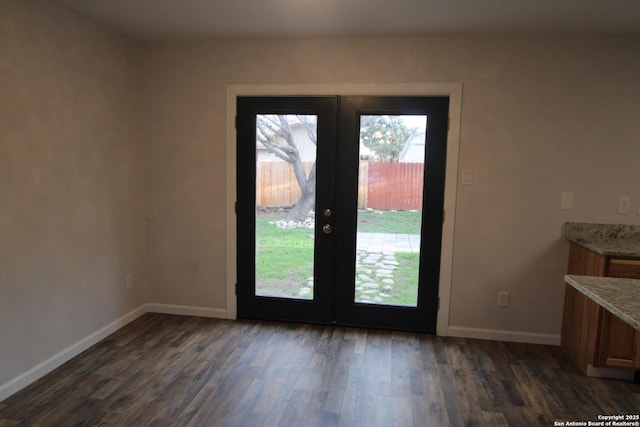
71,176
539,116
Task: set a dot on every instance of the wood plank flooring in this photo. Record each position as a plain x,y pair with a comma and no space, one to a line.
164,370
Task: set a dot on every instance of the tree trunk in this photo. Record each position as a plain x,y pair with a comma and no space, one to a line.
300,210
305,203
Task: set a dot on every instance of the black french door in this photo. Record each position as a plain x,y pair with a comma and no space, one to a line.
340,209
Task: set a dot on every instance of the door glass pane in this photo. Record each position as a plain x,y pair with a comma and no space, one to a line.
285,203
390,183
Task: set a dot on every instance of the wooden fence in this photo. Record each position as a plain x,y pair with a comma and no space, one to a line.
389,185
382,185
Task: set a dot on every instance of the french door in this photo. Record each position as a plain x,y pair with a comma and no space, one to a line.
340,209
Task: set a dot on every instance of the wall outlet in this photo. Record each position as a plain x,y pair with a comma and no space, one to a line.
128,281
503,298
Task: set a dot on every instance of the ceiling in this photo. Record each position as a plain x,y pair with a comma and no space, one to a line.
171,19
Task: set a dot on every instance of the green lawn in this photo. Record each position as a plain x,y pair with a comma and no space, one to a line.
404,222
284,261
406,288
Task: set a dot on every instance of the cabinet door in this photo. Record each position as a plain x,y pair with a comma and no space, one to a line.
617,342
636,356
617,339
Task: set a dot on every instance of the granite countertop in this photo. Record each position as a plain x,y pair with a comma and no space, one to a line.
606,239
620,296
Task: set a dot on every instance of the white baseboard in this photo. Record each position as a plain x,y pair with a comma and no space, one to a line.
21,381
186,310
503,335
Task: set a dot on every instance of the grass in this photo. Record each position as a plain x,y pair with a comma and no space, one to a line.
406,289
375,221
284,257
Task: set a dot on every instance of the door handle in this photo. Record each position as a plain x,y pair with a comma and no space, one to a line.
327,229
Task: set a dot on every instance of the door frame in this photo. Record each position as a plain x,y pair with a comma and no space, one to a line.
453,90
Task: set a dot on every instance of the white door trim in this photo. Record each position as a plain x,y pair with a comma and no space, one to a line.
453,90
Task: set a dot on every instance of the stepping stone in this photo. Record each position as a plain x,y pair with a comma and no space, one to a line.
384,272
370,285
388,281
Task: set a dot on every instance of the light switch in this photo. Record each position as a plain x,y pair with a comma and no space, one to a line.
467,176
624,204
503,298
566,201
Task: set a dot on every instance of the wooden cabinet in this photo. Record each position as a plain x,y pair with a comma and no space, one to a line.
629,268
618,340
591,335
617,344
580,327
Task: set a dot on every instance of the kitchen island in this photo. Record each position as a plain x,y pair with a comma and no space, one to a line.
619,296
601,319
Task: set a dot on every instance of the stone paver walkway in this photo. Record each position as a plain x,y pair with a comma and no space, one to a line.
388,242
375,264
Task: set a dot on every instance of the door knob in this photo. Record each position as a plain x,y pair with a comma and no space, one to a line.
327,213
326,229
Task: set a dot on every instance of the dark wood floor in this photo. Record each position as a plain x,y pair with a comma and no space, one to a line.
164,370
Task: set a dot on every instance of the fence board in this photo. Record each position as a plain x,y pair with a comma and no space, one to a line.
381,185
395,186
276,183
